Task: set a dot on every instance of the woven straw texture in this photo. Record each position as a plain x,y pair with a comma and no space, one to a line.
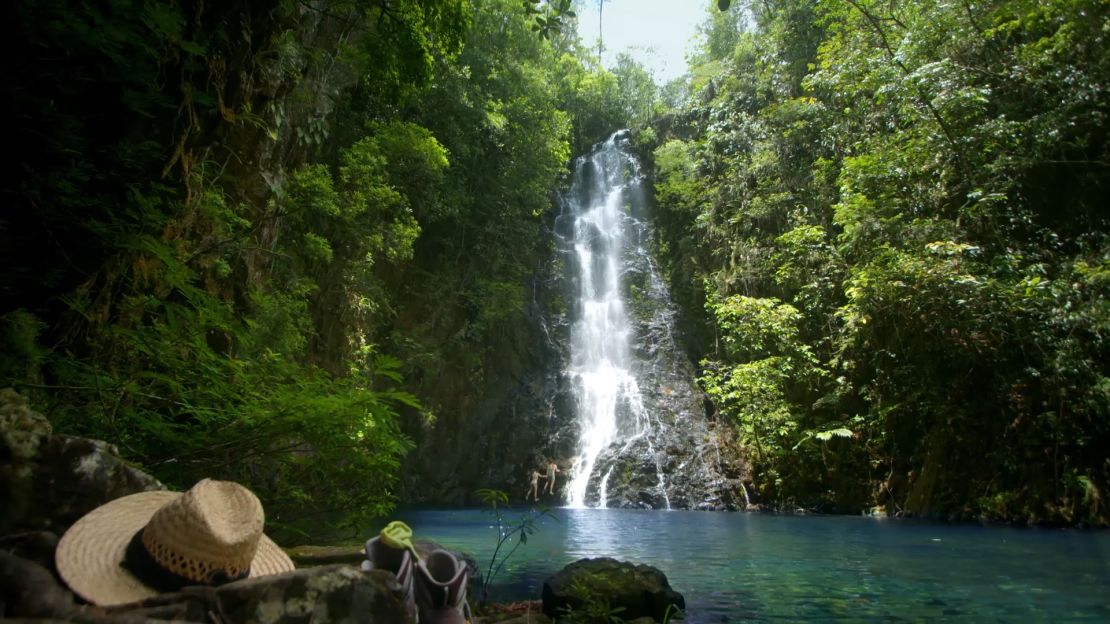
215,528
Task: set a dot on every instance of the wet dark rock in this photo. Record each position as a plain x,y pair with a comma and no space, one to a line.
495,428
23,433
53,480
640,590
28,589
35,546
681,463
527,410
669,453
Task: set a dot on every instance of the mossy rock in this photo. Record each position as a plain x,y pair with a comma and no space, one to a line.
639,590
308,556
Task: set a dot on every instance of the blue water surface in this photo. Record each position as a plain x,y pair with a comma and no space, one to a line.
736,567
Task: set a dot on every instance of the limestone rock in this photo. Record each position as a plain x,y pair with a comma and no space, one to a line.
50,480
77,475
22,431
35,546
323,595
641,590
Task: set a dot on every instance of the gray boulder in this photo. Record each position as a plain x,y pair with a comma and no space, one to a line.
322,595
49,481
23,433
640,590
53,480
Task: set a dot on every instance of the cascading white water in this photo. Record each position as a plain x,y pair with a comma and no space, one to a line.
610,407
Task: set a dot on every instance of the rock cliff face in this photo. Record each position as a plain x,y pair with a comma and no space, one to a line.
532,394
697,472
665,452
523,412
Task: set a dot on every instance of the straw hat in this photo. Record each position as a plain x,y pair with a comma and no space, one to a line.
144,544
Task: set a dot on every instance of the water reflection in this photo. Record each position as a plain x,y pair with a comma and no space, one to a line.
740,567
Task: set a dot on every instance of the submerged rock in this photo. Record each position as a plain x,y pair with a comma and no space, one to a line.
640,590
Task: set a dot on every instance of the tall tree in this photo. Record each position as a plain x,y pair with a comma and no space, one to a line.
889,215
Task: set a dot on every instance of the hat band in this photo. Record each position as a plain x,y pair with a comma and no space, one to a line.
138,561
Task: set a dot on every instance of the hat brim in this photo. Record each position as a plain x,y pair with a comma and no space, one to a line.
90,554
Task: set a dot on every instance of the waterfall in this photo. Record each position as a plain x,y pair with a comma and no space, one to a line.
610,406
636,432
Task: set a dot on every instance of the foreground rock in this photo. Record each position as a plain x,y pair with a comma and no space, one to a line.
320,595
49,481
52,480
526,612
642,591
324,595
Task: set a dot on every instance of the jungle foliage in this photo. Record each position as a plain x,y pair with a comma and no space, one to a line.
891,221
273,241
255,241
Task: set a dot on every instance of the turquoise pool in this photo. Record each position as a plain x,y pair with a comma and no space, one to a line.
734,567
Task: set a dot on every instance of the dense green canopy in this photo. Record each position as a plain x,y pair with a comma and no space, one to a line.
895,217
274,241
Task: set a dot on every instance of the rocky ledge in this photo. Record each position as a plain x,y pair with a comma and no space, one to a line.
589,586
50,481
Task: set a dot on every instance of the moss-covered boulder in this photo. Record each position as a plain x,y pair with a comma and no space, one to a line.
48,481
638,590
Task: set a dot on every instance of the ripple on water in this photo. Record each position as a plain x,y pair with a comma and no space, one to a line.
734,567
